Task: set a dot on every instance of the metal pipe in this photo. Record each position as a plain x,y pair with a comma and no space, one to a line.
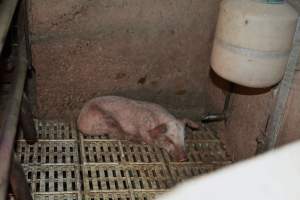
10,115
18,182
27,123
223,116
7,9
277,116
216,117
9,122
30,84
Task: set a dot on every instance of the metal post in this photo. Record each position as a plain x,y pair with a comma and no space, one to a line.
9,117
18,182
276,118
27,123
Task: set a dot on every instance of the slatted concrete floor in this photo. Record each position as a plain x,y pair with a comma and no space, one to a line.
66,165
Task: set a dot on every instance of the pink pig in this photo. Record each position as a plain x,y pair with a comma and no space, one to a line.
137,121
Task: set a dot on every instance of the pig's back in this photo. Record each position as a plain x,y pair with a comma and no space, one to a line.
122,104
132,113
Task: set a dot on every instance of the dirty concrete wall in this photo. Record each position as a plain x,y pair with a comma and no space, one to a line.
151,50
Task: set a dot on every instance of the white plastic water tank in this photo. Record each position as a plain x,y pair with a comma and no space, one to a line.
252,41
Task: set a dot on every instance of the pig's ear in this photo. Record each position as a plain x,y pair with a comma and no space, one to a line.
191,124
157,131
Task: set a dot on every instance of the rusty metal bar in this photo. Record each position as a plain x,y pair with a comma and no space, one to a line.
7,9
277,116
9,117
224,115
18,182
27,123
30,84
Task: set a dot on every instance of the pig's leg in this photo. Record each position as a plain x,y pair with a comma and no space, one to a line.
113,128
135,138
104,123
94,121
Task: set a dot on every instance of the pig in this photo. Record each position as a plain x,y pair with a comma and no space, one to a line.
137,121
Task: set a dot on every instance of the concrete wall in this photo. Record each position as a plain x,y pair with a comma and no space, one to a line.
156,50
